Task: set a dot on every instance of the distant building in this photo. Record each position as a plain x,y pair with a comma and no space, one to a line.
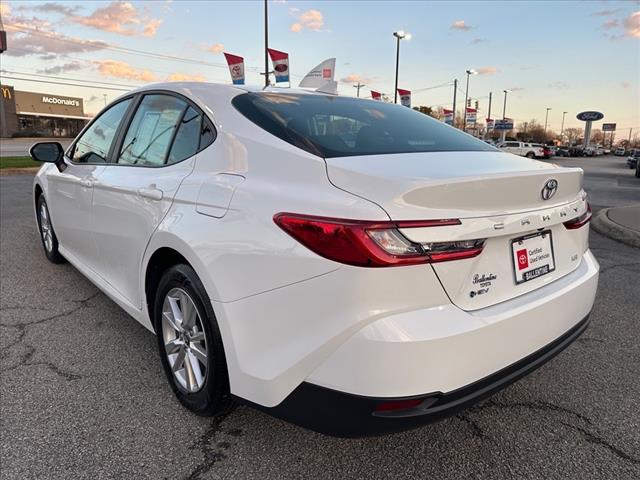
32,114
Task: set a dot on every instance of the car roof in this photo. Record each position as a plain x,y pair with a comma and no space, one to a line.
222,88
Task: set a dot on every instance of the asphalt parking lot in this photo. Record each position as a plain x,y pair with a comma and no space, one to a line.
83,395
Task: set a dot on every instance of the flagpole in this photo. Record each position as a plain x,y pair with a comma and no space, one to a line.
266,45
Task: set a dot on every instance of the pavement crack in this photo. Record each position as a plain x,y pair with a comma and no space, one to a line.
596,440
476,430
22,328
212,451
540,406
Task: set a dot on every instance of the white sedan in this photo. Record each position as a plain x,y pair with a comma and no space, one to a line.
353,266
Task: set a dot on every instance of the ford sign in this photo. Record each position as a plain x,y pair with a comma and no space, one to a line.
590,116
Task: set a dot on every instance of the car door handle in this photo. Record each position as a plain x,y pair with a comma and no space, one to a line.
86,182
151,193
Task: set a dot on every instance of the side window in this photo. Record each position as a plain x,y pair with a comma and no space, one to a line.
94,144
187,137
151,131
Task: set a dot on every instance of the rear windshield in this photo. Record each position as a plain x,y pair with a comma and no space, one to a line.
332,126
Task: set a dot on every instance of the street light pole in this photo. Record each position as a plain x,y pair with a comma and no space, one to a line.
466,99
359,86
266,45
488,114
562,127
503,135
546,118
400,34
455,91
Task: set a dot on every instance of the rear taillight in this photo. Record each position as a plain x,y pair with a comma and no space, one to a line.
579,221
371,243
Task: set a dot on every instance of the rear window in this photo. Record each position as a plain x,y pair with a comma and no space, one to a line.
331,126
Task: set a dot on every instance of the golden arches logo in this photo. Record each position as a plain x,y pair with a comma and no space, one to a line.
6,92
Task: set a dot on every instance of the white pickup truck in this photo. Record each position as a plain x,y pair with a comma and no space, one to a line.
522,149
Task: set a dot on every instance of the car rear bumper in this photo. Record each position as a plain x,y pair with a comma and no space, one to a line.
362,336
345,415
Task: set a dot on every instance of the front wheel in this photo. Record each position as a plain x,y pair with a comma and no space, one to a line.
530,155
190,344
47,234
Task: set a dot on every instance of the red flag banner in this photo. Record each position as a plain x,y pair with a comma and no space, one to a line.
280,62
376,95
405,97
447,116
236,68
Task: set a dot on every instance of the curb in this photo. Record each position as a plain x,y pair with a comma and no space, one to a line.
19,171
603,225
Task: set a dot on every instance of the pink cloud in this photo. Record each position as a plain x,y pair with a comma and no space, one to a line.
461,25
119,69
486,70
310,19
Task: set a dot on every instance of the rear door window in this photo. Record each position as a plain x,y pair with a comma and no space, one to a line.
152,130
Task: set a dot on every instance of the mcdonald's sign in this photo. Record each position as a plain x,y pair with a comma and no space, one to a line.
6,92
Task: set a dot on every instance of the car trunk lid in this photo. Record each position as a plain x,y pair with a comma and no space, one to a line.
496,196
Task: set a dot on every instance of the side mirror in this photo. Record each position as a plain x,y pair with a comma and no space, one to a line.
49,152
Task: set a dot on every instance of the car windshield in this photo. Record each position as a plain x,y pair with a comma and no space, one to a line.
333,126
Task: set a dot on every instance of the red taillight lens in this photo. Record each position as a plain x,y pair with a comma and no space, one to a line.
371,244
579,221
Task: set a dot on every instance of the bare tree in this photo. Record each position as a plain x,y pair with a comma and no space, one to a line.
572,135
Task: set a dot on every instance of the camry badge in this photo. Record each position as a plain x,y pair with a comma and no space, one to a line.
549,189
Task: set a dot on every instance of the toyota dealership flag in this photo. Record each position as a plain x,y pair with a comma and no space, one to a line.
236,68
376,95
280,65
447,116
405,97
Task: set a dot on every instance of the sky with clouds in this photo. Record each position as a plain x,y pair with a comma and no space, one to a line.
566,55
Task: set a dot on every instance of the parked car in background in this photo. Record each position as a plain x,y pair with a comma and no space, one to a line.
593,151
632,159
354,287
619,152
523,149
546,150
562,151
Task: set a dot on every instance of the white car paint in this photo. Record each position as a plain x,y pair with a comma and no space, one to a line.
288,315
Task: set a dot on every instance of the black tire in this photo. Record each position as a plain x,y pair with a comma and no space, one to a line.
50,249
530,155
213,397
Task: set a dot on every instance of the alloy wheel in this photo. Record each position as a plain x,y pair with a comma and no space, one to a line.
184,339
45,227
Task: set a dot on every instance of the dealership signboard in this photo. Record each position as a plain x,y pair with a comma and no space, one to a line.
503,124
608,127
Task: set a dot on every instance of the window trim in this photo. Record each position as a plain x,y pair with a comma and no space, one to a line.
126,123
121,135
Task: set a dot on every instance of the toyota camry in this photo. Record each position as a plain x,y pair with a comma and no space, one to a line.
350,265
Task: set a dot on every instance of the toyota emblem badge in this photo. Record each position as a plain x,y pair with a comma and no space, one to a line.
549,189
